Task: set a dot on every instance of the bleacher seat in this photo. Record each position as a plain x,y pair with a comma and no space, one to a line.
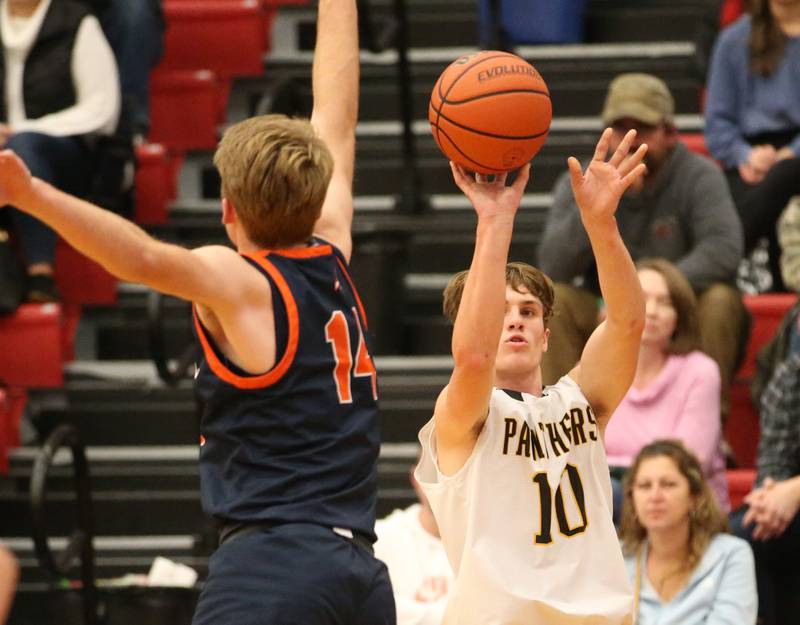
81,280
32,352
730,12
740,483
696,142
742,427
12,405
156,182
227,37
186,109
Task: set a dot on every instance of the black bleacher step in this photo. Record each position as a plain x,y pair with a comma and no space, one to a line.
127,513
132,513
577,77
126,422
642,20
46,603
115,556
455,22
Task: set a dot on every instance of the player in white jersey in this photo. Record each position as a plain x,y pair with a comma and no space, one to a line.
516,473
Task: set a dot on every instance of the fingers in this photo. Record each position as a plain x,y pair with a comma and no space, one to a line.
459,176
633,160
632,176
623,148
601,150
575,172
523,175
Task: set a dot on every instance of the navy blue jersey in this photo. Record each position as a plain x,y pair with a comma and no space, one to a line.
300,442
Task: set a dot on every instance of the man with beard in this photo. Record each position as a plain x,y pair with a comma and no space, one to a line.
680,210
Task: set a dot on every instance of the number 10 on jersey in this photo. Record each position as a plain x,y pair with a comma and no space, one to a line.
546,500
337,333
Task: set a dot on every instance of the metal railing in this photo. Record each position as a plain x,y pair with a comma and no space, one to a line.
79,546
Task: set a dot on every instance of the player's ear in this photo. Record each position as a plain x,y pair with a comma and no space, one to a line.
545,339
228,212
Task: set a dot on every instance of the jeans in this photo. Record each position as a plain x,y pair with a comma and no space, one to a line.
65,163
135,30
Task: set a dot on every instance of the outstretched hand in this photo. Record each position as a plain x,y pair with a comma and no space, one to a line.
492,198
599,189
15,179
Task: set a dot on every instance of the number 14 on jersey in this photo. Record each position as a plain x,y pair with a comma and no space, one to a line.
337,333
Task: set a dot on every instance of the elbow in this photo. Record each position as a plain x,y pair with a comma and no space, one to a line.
473,360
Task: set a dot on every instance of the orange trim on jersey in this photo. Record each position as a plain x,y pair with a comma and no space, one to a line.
355,292
282,366
301,252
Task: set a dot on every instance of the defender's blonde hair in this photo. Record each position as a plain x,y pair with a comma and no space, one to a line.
517,275
275,172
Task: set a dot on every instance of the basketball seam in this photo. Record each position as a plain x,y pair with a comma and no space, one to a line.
455,145
443,96
489,134
494,93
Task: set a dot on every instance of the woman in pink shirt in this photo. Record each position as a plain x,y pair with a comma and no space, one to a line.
676,390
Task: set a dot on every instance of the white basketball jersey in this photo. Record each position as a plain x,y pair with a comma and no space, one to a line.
526,522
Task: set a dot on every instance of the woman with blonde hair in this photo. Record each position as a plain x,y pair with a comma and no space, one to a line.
684,566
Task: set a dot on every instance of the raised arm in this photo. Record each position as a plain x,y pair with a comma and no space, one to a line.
463,404
335,77
608,362
214,276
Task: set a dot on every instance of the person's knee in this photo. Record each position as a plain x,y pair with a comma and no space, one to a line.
720,301
29,146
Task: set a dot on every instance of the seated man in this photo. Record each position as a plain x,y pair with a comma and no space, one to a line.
410,546
682,211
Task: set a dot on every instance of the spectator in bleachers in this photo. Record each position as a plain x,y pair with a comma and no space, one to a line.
61,90
769,519
675,393
409,544
9,573
753,120
684,567
682,211
789,240
135,30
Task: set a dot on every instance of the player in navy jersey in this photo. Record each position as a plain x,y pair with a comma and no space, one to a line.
289,430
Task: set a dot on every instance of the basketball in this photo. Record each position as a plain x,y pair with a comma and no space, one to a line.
490,112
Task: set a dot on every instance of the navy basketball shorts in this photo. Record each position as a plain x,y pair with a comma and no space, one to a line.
295,574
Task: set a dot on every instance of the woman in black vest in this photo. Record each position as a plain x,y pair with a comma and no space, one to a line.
61,89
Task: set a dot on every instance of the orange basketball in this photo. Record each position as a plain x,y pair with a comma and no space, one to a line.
490,111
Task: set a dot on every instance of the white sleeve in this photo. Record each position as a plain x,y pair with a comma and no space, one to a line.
97,91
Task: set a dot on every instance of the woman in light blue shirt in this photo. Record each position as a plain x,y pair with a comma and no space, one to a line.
684,567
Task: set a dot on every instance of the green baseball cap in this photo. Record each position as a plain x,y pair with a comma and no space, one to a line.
642,97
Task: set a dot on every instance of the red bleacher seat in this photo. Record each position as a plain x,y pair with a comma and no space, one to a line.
12,405
768,310
32,352
156,182
740,483
186,108
742,427
81,280
696,142
730,12
228,37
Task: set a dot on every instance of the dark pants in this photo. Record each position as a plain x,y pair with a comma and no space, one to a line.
135,30
761,205
295,574
64,162
777,571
